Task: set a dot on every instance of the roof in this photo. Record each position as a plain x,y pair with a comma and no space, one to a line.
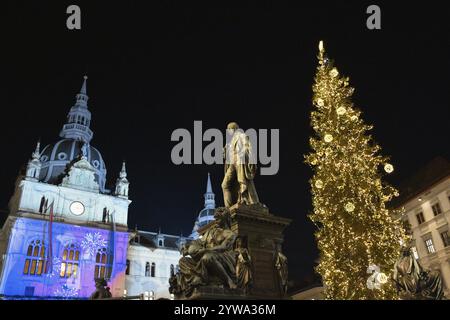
150,240
428,176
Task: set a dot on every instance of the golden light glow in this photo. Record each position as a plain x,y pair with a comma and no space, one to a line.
321,45
319,184
355,229
341,111
389,168
349,207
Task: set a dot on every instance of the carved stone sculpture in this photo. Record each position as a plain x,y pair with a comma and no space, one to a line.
281,265
101,291
240,169
212,260
413,282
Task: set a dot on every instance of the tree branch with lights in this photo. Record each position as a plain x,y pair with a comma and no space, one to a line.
357,234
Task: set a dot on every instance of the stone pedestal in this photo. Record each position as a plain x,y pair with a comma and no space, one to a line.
261,232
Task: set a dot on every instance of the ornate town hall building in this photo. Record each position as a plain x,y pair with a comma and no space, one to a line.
64,228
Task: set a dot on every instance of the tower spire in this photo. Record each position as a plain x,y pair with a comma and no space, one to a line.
79,118
123,171
36,154
210,203
34,165
83,87
122,184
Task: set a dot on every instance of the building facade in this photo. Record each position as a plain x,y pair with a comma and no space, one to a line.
426,202
152,258
64,229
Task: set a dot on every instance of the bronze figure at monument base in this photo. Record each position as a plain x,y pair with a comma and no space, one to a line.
237,257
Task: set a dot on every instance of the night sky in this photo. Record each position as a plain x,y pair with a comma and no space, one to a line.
153,69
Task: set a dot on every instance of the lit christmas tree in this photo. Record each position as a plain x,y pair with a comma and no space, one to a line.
358,237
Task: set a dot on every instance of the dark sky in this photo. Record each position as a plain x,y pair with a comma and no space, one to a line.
156,68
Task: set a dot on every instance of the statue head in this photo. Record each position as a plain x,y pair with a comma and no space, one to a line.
100,283
232,127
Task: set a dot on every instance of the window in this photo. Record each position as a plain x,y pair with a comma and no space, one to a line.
436,209
430,246
62,156
172,270
420,217
34,263
147,269
445,238
70,261
103,265
127,270
153,269
160,243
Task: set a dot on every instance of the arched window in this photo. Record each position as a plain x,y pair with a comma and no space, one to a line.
70,261
103,265
127,270
147,269
172,270
160,243
153,269
34,263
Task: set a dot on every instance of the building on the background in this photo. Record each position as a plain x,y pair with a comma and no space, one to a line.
64,229
426,200
206,215
152,258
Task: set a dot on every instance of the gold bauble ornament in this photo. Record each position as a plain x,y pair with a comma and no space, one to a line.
319,184
349,207
328,137
353,118
381,278
389,168
334,73
320,102
341,110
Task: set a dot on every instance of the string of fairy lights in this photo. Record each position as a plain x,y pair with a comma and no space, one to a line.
355,230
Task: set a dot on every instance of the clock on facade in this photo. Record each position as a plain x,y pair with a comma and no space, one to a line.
77,208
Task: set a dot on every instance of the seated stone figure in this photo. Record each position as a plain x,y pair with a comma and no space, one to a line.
100,292
413,282
211,259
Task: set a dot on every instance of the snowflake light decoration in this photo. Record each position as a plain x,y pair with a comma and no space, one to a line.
56,268
66,292
92,242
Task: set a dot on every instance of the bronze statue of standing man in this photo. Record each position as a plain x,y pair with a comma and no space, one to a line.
240,169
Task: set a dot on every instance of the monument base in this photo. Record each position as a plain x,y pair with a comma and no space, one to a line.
262,235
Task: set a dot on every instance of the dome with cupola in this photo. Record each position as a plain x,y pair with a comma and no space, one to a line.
206,215
76,136
56,156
